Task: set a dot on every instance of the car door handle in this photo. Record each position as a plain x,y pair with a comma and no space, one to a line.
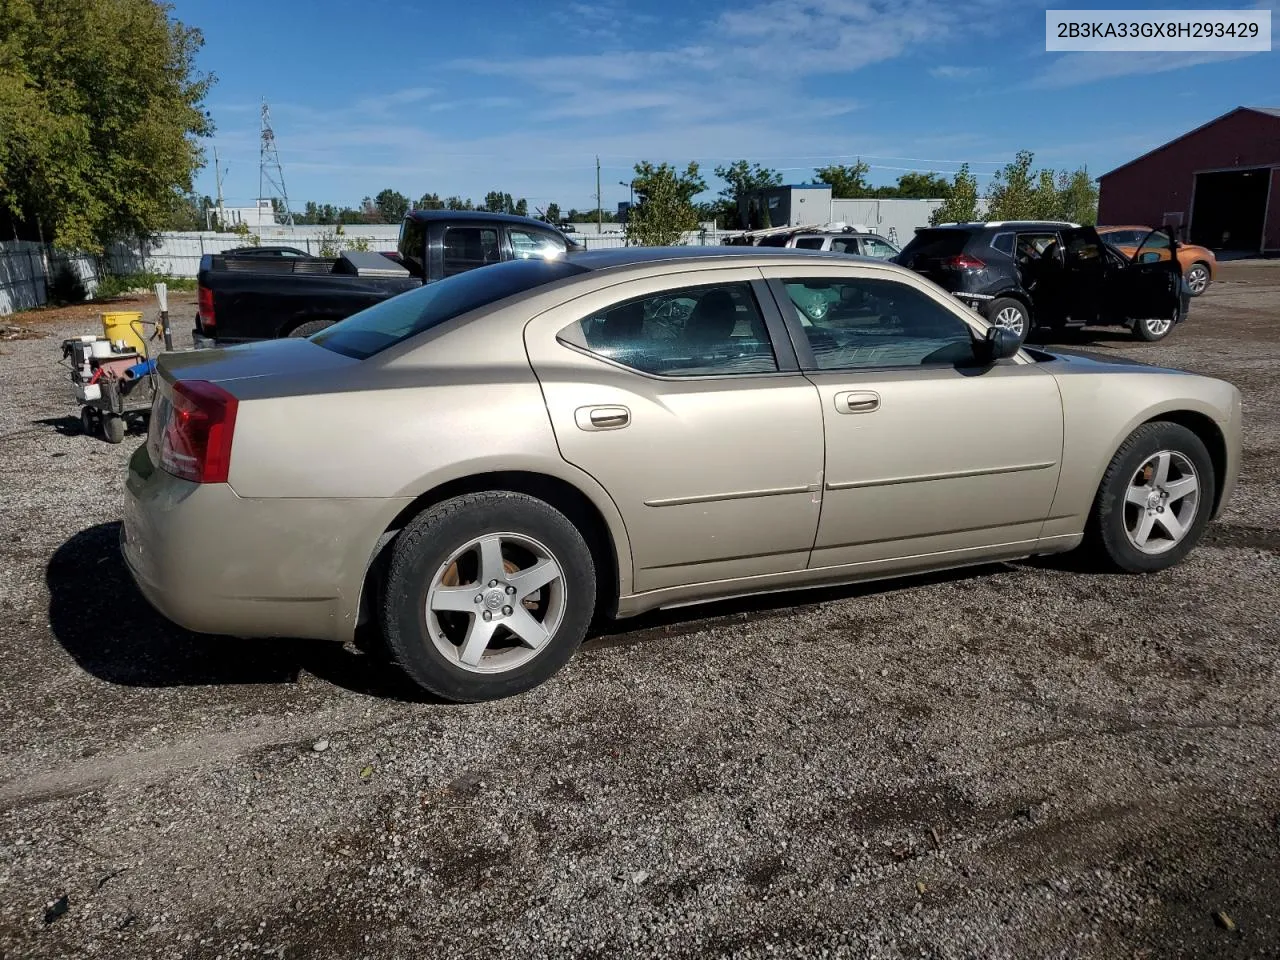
857,401
602,418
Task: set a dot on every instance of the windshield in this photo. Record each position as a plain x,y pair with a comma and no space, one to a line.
393,321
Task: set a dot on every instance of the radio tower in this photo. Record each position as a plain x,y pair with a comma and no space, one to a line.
270,173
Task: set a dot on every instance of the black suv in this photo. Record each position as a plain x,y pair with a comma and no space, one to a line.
1028,274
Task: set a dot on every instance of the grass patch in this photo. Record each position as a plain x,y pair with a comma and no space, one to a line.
114,285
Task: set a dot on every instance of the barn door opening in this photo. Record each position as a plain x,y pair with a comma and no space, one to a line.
1229,209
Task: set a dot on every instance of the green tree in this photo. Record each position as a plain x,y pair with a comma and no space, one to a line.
1012,193
553,213
1079,198
391,205
522,207
962,203
429,201
495,201
101,111
922,186
664,207
457,203
847,182
741,180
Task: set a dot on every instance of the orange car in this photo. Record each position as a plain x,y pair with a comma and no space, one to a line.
1199,265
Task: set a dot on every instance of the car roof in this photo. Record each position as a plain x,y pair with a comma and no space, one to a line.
634,256
996,224
426,216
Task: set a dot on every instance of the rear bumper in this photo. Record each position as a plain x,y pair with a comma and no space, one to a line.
214,562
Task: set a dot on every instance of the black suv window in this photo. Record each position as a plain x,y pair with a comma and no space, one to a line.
858,323
690,332
934,244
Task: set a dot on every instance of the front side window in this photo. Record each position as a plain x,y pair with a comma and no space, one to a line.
466,248
694,331
528,244
861,323
875,247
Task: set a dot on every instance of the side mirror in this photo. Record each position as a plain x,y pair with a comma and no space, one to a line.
999,344
1149,257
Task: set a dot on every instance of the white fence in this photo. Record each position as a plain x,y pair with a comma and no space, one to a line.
28,270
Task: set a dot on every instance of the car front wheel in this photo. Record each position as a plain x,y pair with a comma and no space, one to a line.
487,595
1154,500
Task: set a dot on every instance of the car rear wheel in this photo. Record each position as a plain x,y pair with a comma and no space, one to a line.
310,327
1154,500
1154,328
1198,278
487,595
1010,314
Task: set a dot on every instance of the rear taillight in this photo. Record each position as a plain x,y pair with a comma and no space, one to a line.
196,442
204,297
962,261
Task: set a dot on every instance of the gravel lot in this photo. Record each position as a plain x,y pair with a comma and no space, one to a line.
1016,761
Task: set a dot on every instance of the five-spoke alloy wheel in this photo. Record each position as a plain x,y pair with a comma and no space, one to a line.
487,595
1154,500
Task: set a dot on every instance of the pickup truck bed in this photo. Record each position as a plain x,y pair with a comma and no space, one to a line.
246,296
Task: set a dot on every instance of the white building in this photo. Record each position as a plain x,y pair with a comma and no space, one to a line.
261,215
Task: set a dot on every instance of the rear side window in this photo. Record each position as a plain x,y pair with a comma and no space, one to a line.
466,248
691,332
393,321
935,244
1004,243
809,243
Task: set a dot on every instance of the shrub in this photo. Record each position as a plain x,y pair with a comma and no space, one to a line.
114,285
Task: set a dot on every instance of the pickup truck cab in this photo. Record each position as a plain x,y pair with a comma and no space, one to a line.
244,297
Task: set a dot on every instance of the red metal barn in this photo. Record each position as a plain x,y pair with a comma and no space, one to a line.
1220,183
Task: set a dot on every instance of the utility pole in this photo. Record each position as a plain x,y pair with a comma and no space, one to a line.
217,180
599,208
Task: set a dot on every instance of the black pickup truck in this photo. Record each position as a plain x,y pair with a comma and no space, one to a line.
245,297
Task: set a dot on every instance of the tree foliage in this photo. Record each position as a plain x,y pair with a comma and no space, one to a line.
429,201
847,182
962,203
101,110
741,180
664,207
553,212
392,205
1016,193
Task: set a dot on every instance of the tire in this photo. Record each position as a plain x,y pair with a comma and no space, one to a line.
1010,313
1114,517
1198,278
88,424
1154,329
427,627
113,427
309,327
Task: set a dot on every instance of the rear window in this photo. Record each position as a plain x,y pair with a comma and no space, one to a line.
935,243
393,321
413,246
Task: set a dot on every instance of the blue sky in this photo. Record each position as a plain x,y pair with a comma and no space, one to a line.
462,98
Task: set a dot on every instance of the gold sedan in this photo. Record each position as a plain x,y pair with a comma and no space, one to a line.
483,465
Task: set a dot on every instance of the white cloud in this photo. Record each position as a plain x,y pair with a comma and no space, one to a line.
946,72
1074,69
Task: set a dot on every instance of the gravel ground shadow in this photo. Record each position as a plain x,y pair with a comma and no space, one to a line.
101,619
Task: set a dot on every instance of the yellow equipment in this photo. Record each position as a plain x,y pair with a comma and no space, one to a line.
126,326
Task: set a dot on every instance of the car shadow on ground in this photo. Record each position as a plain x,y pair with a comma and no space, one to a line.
112,632
101,619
